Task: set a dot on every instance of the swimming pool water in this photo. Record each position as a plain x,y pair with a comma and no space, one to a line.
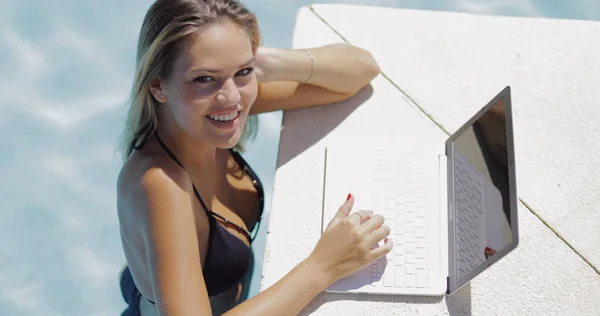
65,70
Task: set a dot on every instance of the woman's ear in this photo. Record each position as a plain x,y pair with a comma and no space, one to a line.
156,88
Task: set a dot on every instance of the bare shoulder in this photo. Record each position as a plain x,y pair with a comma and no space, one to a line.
152,190
157,202
147,179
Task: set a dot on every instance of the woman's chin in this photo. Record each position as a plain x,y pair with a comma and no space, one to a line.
225,137
228,142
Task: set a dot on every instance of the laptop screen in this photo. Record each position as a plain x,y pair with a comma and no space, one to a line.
482,202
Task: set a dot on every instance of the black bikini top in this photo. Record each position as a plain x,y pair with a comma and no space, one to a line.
227,257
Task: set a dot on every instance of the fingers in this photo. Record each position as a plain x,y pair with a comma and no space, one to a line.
373,223
378,235
359,217
383,250
344,209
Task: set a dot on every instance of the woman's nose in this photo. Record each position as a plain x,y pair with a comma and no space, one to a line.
229,93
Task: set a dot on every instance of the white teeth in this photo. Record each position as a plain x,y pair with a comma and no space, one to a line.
224,117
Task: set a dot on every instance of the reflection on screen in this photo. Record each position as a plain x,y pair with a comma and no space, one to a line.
481,194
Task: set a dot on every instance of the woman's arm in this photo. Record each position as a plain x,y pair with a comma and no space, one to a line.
168,225
296,78
346,246
174,253
289,295
335,67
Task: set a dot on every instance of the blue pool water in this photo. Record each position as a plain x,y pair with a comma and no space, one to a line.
65,70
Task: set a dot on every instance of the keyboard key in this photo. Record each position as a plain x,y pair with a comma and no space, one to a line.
380,268
421,203
410,268
399,276
399,228
399,260
410,258
400,199
410,216
410,281
398,250
400,210
410,237
399,240
388,215
421,279
421,264
388,276
421,253
409,248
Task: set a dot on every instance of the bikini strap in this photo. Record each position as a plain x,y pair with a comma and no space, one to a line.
170,153
206,209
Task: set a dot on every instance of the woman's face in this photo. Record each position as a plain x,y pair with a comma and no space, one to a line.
212,85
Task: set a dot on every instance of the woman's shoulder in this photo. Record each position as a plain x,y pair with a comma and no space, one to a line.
148,177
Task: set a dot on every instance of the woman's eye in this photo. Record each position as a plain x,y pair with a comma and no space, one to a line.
203,79
245,71
207,79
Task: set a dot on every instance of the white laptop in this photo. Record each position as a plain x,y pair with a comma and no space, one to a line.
452,208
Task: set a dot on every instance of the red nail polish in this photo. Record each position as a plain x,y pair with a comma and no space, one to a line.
488,249
349,196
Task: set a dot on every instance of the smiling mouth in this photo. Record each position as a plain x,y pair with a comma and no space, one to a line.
226,117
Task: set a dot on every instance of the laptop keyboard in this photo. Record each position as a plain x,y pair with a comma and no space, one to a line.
403,198
469,215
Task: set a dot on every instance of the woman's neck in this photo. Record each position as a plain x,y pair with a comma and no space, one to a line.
191,153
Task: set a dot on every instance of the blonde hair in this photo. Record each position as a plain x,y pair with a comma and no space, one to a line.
165,25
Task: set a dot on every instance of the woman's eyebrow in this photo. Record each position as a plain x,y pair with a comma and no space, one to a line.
212,70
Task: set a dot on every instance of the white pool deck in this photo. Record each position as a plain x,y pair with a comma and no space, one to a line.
438,69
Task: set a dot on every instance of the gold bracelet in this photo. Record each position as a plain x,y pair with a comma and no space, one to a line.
312,64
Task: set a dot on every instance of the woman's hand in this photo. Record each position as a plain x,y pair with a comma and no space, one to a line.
350,242
347,245
264,64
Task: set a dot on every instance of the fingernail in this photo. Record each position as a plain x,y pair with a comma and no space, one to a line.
349,196
488,249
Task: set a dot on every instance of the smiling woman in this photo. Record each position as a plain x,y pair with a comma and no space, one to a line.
186,199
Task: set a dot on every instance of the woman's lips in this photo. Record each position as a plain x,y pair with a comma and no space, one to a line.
225,125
